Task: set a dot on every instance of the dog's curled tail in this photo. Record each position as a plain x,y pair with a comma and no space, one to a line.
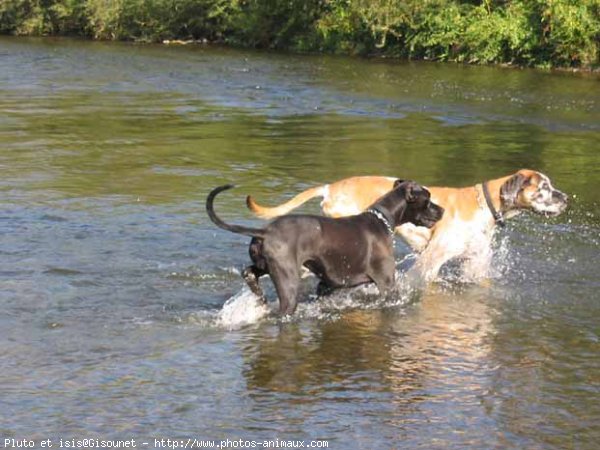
279,210
253,232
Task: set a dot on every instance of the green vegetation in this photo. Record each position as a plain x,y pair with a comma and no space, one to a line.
545,33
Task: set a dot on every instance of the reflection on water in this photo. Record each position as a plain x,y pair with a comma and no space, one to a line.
113,281
426,364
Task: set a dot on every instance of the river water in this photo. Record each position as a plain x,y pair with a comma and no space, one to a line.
113,281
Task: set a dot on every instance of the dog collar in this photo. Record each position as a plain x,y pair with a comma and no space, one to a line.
381,216
498,217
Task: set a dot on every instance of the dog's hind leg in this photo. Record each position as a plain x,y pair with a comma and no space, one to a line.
251,275
286,280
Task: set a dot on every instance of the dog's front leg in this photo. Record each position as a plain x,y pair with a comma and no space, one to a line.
324,289
251,275
477,265
383,274
441,249
428,265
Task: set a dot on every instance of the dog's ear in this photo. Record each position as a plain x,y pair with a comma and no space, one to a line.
411,190
511,188
397,183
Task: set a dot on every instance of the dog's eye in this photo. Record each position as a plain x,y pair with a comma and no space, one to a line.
544,187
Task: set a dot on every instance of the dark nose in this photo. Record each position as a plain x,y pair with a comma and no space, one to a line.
560,196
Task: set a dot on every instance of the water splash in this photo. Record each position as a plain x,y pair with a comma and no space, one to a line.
243,309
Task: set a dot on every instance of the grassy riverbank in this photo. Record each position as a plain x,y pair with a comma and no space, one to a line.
542,33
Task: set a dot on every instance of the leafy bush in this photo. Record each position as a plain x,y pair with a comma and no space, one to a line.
274,23
42,17
572,31
499,35
528,32
152,20
10,15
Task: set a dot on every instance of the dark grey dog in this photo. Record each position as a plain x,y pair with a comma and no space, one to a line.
341,252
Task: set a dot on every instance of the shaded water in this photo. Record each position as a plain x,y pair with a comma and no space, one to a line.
113,280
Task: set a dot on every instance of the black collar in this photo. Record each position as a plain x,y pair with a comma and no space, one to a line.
384,216
488,200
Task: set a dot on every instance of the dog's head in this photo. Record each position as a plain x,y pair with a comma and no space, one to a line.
531,190
411,202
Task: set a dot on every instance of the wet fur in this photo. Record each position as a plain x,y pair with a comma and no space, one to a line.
341,252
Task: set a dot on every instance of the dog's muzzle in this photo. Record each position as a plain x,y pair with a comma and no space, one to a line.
556,205
433,214
561,199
